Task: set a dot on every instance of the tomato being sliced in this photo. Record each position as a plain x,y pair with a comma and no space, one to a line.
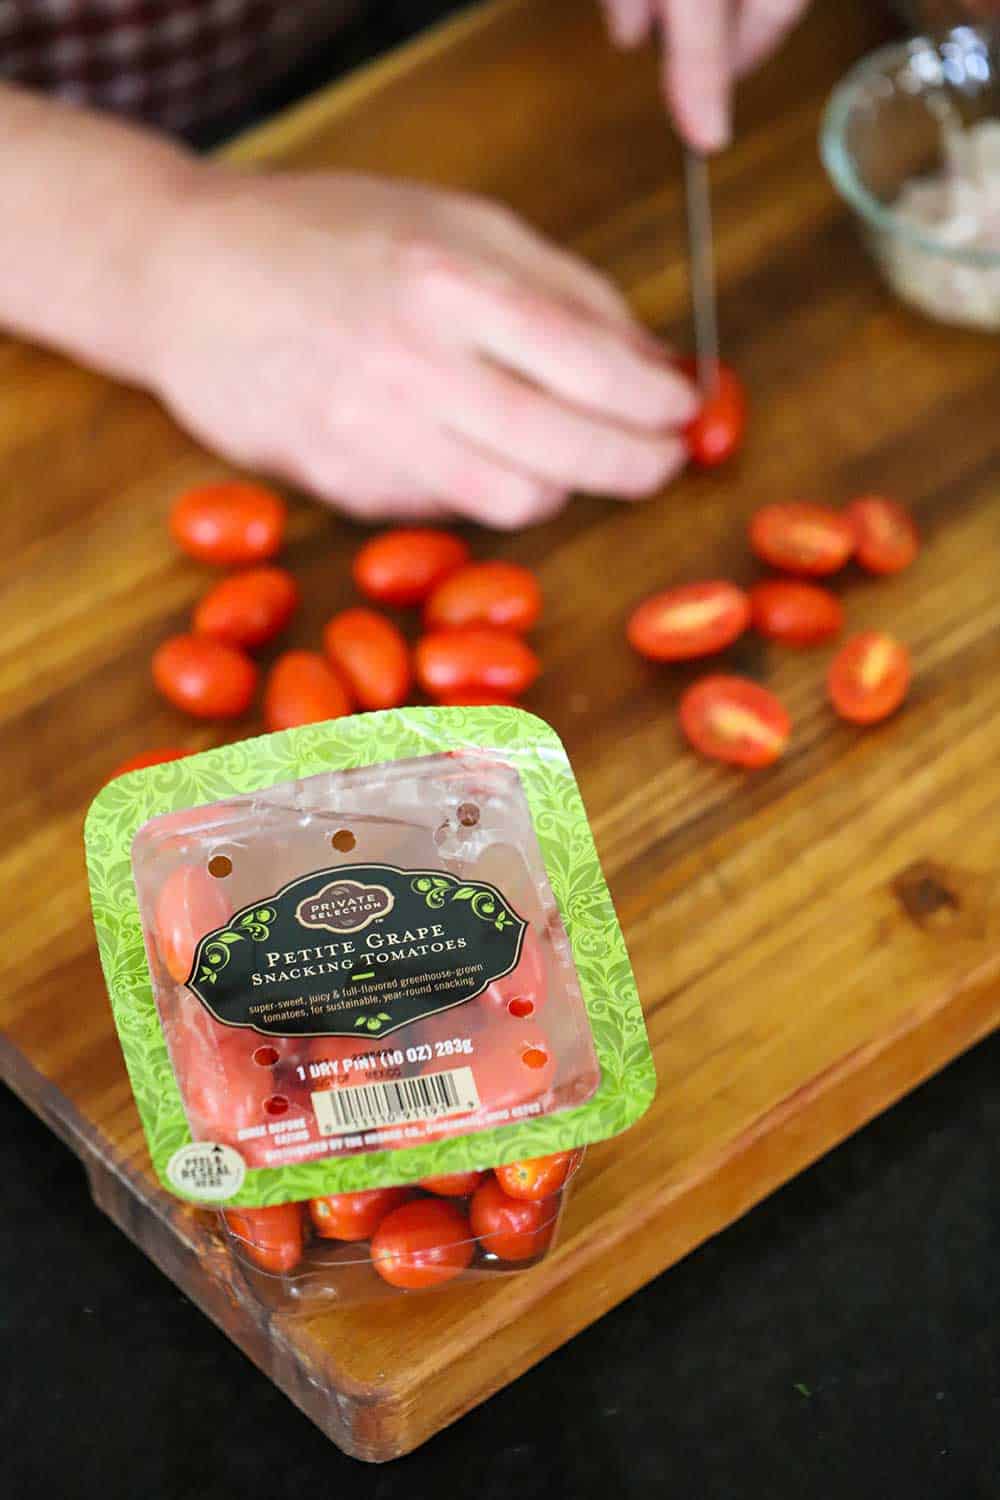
205,678
869,678
540,1177
422,1244
354,1216
512,1228
694,619
372,657
272,1238
453,1185
503,594
231,524
732,719
403,567
800,537
455,661
717,431
146,758
887,540
797,614
249,608
303,689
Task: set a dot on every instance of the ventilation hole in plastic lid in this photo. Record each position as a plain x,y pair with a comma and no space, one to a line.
266,1057
343,840
220,865
276,1105
534,1057
468,815
520,1007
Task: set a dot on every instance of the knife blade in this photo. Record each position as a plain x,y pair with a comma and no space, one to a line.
701,253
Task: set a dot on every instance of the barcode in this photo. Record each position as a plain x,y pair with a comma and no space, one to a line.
369,1104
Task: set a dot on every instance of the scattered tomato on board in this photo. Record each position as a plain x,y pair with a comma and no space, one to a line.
273,1238
538,1178
146,758
231,524
798,536
205,678
693,619
249,608
477,658
717,432
511,1228
423,1243
403,567
302,688
869,678
354,1216
795,613
887,539
502,594
372,657
735,720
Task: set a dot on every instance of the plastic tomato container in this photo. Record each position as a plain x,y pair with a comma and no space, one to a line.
372,994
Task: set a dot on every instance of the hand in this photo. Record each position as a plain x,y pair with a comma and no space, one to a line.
706,44
404,351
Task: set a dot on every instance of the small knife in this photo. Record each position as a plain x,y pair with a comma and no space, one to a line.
702,258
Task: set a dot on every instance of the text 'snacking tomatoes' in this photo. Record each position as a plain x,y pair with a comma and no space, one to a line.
146,758
403,567
795,613
422,1244
735,720
485,593
869,677
540,1177
204,678
354,1216
800,537
302,688
511,1228
248,608
717,431
454,661
272,1238
230,525
371,656
694,619
454,1185
886,536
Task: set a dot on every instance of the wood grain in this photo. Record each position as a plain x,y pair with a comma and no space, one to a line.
809,943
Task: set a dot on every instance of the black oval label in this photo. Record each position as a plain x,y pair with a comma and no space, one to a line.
360,949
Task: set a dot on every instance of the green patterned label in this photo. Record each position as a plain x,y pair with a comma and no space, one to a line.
627,1075
363,948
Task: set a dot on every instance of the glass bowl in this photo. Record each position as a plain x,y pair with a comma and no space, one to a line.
898,124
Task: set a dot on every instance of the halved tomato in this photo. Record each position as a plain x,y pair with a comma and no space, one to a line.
694,619
801,537
887,540
735,720
797,614
869,678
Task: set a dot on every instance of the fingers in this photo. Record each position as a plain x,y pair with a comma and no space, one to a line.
697,68
761,28
536,434
561,348
629,21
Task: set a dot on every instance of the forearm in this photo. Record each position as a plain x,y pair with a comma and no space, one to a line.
87,201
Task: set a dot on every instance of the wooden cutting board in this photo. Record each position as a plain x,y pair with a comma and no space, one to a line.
810,943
